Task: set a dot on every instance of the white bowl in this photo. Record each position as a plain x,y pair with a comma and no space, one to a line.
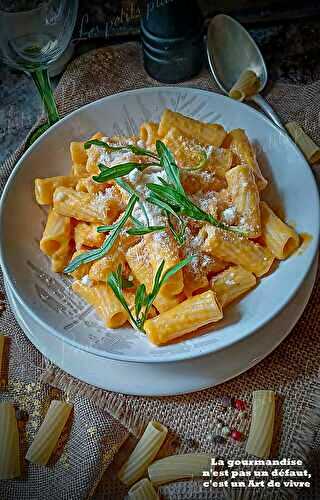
47,296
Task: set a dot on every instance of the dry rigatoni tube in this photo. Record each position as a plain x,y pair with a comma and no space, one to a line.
282,240
143,490
48,435
247,84
178,467
143,454
3,352
262,424
309,148
186,317
9,443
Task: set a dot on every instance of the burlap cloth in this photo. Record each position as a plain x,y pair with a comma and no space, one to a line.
102,420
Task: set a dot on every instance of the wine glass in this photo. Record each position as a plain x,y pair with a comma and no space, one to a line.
33,34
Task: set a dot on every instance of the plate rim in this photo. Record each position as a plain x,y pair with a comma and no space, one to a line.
192,354
269,351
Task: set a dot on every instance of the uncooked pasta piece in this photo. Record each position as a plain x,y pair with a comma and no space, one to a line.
9,443
178,467
262,424
309,148
247,84
143,490
143,454
48,435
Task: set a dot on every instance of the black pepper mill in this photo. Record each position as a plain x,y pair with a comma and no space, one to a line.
172,39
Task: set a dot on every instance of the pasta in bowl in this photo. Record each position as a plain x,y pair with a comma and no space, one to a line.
164,229
52,297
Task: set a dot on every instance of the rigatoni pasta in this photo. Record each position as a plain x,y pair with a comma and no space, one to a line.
232,283
165,229
309,148
178,467
143,490
9,443
262,424
237,250
143,454
247,84
206,133
48,435
280,238
186,317
245,196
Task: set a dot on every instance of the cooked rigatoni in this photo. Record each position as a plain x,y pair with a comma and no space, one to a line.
262,424
48,435
103,300
86,235
309,148
78,153
140,264
44,188
162,246
186,231
205,133
143,490
178,467
238,250
247,84
149,133
238,142
281,239
100,269
9,442
56,240
88,185
232,283
245,196
186,317
78,170
191,155
89,207
143,454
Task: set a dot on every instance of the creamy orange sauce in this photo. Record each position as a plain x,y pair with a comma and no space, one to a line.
305,238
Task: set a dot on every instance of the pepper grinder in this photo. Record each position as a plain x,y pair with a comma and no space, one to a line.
172,40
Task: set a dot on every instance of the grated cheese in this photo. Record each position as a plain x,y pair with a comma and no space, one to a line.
228,215
85,280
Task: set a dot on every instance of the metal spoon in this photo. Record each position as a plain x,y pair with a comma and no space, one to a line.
231,50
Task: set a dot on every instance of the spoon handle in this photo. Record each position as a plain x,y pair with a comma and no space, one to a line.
262,103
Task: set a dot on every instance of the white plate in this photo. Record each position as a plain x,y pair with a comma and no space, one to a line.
165,379
48,298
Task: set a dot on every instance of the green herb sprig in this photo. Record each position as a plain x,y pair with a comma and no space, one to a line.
107,174
136,150
140,231
124,185
97,253
143,300
182,205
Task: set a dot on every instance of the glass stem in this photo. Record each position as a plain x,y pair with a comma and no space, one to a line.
42,81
